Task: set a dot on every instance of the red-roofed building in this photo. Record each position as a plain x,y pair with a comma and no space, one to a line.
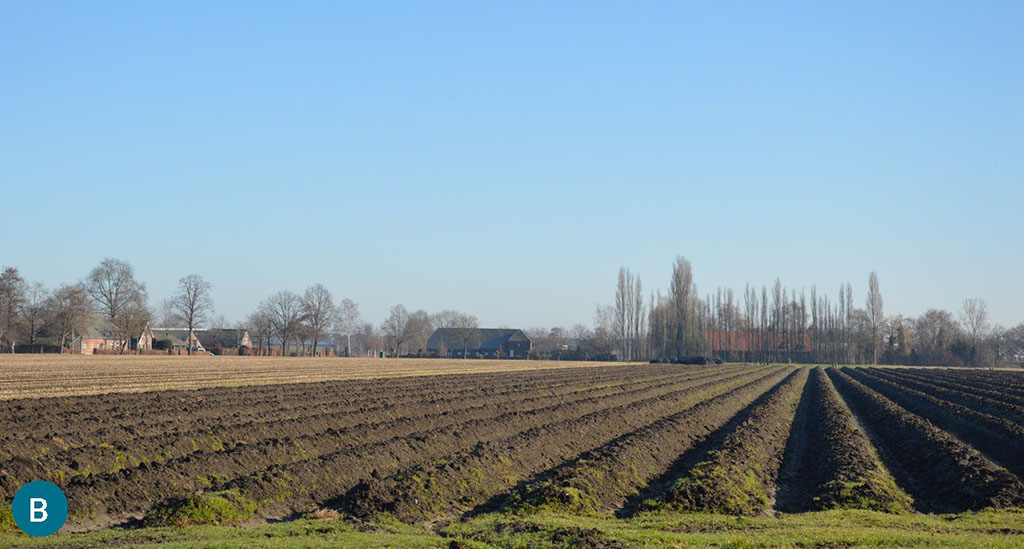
743,345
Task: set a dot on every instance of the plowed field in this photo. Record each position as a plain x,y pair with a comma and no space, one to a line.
611,440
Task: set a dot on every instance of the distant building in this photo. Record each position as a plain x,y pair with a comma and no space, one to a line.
225,341
297,347
738,345
479,342
219,341
175,339
99,335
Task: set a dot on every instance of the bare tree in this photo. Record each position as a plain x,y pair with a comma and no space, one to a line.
750,311
581,334
934,334
684,328
638,321
33,311
1014,340
623,295
601,341
120,297
876,316
261,328
556,340
630,318
661,332
347,322
997,342
284,309
396,327
319,312
166,316
540,338
134,316
192,302
67,310
110,284
898,339
369,339
304,337
419,329
974,317
467,332
444,319
12,294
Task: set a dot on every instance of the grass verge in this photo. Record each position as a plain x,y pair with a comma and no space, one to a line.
207,509
837,528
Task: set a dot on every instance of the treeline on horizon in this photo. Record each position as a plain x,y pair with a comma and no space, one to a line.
779,324
766,324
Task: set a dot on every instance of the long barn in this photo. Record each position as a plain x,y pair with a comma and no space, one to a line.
479,343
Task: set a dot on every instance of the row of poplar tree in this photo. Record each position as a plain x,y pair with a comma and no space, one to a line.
779,324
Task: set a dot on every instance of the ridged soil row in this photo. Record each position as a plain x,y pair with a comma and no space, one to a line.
829,463
948,379
469,479
1006,382
605,478
86,414
305,437
997,438
940,472
329,435
49,425
284,471
975,398
740,476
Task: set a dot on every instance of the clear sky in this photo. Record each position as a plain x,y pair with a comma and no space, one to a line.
505,159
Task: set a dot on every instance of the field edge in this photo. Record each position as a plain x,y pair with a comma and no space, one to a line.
847,528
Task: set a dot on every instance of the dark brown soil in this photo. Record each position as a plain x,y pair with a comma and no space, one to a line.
941,473
466,479
611,474
595,438
999,439
739,476
829,462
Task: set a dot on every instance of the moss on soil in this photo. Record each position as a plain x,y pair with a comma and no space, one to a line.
212,508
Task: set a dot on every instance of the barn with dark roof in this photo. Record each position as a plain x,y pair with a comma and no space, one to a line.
479,342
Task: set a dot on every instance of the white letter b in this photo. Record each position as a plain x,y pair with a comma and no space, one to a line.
37,510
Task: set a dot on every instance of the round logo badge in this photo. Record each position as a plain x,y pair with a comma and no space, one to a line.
40,508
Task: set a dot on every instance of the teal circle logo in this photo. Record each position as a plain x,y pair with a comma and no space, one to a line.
40,508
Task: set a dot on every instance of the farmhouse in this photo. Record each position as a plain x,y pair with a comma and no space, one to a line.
224,341
173,339
98,335
217,340
479,342
303,347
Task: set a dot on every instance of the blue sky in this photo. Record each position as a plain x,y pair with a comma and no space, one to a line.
505,160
